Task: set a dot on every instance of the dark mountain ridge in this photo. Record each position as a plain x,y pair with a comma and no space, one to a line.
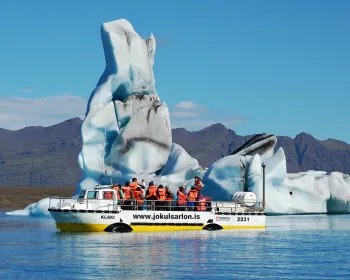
47,156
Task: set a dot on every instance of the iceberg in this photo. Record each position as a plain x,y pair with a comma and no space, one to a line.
300,193
126,133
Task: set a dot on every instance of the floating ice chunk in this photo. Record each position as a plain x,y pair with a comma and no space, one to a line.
37,209
340,193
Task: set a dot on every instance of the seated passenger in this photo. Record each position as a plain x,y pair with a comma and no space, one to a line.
192,197
169,198
128,196
139,198
107,195
161,194
151,194
181,199
201,204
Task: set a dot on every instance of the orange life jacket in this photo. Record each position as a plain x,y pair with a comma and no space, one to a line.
198,185
127,192
162,195
139,199
181,198
192,195
152,192
201,204
133,186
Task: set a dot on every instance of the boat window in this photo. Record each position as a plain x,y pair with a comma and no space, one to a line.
82,193
92,195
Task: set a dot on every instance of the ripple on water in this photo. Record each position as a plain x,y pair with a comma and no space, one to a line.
292,247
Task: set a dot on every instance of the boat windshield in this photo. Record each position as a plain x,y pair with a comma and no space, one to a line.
82,193
92,195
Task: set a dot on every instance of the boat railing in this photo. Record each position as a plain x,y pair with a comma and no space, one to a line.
154,205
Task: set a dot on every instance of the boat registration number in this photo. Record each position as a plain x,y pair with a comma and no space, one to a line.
242,219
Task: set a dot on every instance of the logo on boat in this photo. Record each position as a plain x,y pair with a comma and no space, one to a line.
222,218
107,217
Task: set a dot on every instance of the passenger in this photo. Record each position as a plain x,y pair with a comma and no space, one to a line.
134,184
192,197
151,194
198,183
161,194
107,195
119,193
169,197
201,204
128,196
208,202
139,198
143,184
181,199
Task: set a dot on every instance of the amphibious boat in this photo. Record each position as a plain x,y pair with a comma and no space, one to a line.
91,211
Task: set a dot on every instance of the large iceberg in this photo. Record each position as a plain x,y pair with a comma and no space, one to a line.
127,133
304,192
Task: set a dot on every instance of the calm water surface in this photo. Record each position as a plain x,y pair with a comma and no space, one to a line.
292,247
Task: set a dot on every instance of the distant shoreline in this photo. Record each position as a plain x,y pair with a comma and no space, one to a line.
15,198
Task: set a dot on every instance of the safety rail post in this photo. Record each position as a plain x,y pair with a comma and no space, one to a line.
263,202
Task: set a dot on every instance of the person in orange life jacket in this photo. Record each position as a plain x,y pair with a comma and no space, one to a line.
201,204
208,202
169,198
161,194
134,184
198,183
128,196
192,197
151,194
139,198
181,199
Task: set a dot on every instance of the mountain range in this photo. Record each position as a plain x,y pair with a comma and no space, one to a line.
47,156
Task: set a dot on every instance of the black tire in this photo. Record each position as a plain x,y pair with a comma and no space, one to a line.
118,227
212,227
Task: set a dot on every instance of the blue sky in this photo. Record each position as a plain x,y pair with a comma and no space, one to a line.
257,66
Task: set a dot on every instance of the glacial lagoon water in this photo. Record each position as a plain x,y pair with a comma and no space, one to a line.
292,247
